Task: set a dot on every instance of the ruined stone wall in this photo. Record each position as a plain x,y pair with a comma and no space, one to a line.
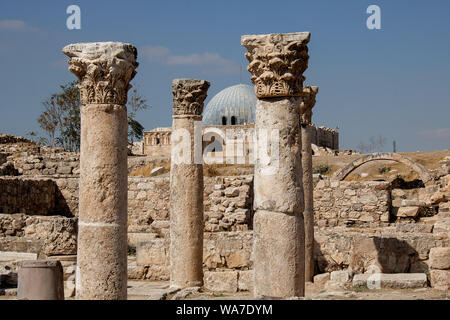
227,200
222,251
28,196
228,203
65,163
148,205
10,139
43,235
339,203
324,137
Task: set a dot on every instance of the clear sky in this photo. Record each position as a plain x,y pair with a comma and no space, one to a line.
394,81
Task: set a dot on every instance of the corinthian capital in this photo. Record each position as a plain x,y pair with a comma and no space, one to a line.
277,62
104,69
188,96
307,103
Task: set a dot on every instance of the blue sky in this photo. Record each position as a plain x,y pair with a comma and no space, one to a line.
394,81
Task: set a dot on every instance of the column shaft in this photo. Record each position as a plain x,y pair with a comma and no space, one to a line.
308,213
186,185
277,63
104,70
278,222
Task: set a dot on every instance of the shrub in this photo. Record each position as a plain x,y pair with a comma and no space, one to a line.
322,169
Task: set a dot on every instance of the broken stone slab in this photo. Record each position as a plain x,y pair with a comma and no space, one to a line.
321,279
390,280
12,256
217,281
157,171
342,276
408,212
414,228
439,258
440,279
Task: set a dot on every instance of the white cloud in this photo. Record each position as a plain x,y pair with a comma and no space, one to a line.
207,62
438,133
15,25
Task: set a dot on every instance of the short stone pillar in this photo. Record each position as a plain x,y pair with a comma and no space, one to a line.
40,280
306,105
186,184
277,62
104,70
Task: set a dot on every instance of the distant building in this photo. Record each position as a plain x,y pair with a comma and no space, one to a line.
231,108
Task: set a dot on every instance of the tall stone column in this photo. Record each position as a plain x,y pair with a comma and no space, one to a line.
306,105
186,184
104,70
277,62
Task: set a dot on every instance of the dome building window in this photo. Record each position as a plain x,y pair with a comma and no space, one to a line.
239,101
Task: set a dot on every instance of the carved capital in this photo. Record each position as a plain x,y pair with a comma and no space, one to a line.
188,96
307,103
277,62
104,69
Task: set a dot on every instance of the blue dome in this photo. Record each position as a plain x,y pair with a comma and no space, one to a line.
233,105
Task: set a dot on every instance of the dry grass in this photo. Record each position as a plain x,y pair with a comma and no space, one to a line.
146,170
213,170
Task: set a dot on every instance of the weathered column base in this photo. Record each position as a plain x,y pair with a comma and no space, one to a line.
279,248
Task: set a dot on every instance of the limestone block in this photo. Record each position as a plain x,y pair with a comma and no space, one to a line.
321,279
414,228
408,212
440,258
343,276
153,252
136,237
216,281
440,279
390,280
246,280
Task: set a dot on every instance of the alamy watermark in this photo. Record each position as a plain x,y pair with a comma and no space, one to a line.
374,20
74,20
231,146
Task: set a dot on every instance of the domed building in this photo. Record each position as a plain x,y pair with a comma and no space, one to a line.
234,105
231,111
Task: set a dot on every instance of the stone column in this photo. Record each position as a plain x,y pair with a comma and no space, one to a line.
277,62
104,70
306,105
186,184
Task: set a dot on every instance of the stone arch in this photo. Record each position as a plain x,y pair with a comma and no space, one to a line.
345,171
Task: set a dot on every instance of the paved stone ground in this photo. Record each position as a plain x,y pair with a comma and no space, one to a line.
159,290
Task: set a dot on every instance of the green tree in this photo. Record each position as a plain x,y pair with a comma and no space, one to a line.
61,120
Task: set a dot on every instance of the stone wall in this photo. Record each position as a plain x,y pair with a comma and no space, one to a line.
28,196
227,200
10,139
222,251
351,203
58,163
148,205
46,236
228,203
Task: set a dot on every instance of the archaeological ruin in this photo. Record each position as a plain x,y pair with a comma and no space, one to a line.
244,198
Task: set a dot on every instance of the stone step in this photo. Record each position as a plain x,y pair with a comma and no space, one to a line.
390,280
11,256
408,203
